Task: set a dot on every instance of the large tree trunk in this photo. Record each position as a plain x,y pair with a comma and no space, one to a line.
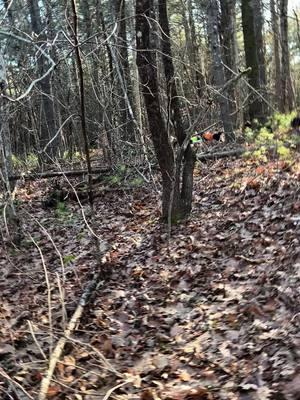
250,27
217,66
276,51
146,62
48,125
182,197
174,199
230,52
287,92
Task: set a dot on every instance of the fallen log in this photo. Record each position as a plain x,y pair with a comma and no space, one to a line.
222,154
54,174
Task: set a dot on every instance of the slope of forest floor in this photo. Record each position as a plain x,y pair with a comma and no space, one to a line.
213,313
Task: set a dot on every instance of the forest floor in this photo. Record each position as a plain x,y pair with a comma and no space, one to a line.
212,314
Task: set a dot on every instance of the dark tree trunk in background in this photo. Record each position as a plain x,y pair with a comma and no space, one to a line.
5,145
276,52
48,117
287,92
193,52
120,57
230,51
87,20
146,62
260,45
217,66
256,107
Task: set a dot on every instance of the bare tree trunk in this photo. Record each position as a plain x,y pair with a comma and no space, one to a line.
256,106
230,51
172,198
146,62
48,126
193,51
120,56
12,225
276,56
287,91
182,196
5,148
260,45
81,91
217,66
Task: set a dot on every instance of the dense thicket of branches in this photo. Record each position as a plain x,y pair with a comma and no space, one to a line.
210,43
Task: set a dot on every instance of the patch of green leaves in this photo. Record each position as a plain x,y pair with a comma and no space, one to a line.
30,162
68,259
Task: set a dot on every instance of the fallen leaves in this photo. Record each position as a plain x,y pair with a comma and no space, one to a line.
212,315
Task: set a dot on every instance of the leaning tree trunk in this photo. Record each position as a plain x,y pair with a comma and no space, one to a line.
174,199
217,66
287,92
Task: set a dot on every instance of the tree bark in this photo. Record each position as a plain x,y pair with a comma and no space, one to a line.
287,91
260,45
48,126
123,78
193,52
276,51
146,62
174,198
5,147
217,66
230,51
182,197
256,107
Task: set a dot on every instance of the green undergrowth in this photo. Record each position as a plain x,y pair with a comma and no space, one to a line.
275,139
29,163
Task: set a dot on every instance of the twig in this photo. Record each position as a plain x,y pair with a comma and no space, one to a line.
15,383
105,362
110,391
35,340
49,300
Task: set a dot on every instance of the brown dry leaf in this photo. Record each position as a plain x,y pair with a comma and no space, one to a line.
53,391
148,394
135,379
185,376
69,361
293,388
263,393
199,393
108,350
160,361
